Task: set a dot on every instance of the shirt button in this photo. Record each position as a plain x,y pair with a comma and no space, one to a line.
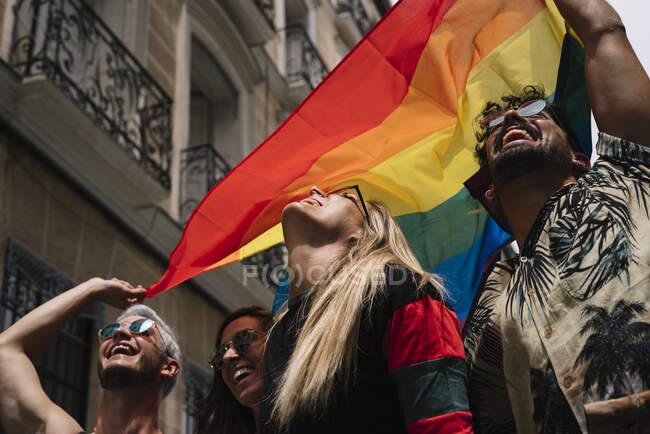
523,259
531,292
548,333
568,381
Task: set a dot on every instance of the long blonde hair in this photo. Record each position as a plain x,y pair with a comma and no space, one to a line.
326,349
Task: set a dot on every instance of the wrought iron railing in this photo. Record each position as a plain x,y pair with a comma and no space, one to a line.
358,12
201,169
66,41
303,60
268,10
270,264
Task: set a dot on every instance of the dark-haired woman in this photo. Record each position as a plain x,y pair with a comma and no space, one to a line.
232,404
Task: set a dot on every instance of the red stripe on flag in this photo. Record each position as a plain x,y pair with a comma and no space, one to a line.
359,94
419,331
457,422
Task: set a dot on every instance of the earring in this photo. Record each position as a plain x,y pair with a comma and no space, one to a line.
489,195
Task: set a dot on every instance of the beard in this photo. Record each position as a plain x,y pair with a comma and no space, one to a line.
523,160
116,377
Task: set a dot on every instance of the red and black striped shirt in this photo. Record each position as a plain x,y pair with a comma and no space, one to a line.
410,376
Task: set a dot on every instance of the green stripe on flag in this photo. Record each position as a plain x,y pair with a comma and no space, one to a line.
446,230
571,89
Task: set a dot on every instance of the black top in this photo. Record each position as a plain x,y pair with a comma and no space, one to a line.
372,404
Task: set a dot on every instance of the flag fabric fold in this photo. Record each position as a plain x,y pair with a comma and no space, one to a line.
397,117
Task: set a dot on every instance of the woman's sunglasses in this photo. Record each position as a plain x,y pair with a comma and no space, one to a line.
359,195
530,108
138,327
240,342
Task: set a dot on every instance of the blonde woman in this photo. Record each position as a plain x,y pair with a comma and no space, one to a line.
368,344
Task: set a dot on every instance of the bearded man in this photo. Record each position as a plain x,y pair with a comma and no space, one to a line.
138,361
559,339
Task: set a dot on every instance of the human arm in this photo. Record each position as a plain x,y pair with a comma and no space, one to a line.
617,84
24,406
628,414
427,365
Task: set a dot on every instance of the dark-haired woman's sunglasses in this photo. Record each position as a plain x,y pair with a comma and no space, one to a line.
240,342
530,108
139,327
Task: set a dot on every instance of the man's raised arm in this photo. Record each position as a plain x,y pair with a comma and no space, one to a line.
618,86
24,406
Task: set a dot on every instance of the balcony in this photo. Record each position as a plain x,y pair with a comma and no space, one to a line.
254,19
352,20
305,68
201,169
68,43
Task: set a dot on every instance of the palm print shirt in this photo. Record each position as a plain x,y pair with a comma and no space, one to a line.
566,325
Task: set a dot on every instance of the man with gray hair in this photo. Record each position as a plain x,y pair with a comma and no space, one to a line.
138,363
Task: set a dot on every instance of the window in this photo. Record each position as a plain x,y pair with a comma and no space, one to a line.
215,130
214,108
28,281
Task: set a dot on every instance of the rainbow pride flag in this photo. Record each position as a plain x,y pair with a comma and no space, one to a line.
397,117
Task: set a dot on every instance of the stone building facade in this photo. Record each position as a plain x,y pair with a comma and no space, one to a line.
116,117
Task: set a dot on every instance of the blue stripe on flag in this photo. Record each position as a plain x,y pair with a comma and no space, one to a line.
461,274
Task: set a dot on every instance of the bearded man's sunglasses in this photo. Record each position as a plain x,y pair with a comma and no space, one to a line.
138,327
530,108
240,342
359,195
